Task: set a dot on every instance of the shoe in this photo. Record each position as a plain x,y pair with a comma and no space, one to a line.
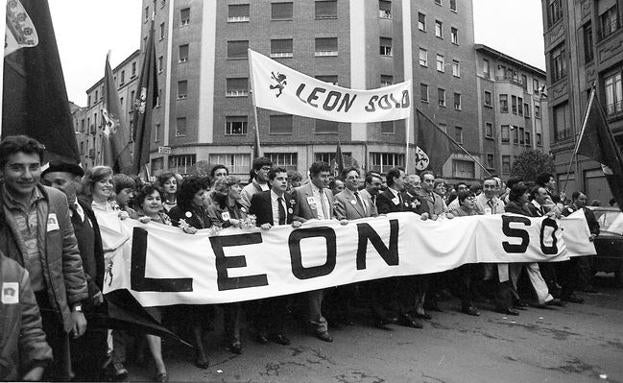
573,299
324,336
408,321
202,362
280,339
425,316
261,338
161,377
119,371
555,302
508,311
235,347
470,310
382,325
390,320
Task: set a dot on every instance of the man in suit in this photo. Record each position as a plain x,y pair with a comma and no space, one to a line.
259,180
89,350
274,207
315,201
371,190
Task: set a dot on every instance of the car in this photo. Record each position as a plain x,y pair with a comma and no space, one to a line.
609,242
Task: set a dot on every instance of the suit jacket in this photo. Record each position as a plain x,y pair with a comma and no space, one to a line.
303,209
347,207
365,195
386,203
261,207
514,207
93,268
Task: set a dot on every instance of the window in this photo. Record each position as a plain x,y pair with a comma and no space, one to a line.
160,64
522,136
387,127
329,157
326,46
182,89
441,63
159,98
237,163
238,13
423,92
386,80
281,48
146,14
237,49
438,2
287,160
326,9
331,79
182,164
463,169
382,162
514,104
537,111
237,87
562,122
385,9
528,139
554,12
183,53
423,57
89,101
588,42
614,94
122,81
503,103
438,29
457,101
236,125
520,106
453,5
505,134
506,164
156,132
458,134
456,68
487,98
180,126
454,36
281,11
185,16
539,141
421,21
326,127
535,85
609,21
490,161
488,129
558,63
134,69
162,31
441,97
485,67
386,46
515,134
281,124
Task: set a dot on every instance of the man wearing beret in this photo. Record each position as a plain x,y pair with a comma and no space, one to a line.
89,350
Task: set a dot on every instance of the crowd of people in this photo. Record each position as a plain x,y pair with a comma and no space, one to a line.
57,238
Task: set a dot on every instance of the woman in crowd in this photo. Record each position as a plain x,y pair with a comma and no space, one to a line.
191,215
167,182
149,204
441,188
226,211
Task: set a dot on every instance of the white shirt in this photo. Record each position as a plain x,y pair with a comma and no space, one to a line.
321,200
274,197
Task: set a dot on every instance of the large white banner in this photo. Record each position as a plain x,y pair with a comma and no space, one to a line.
278,87
162,265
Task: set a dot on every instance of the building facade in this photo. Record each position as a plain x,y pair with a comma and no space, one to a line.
205,112
583,46
512,109
125,76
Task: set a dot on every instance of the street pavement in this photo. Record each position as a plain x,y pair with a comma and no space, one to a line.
576,343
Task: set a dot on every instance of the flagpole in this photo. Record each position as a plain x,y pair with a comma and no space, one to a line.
2,28
251,90
456,143
577,143
408,129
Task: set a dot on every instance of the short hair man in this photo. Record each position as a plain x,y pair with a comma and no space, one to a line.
39,235
432,203
372,188
218,171
259,180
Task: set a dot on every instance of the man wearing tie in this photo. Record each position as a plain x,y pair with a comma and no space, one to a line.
373,183
315,201
274,207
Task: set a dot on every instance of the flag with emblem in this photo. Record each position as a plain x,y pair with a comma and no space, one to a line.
115,134
597,142
34,95
146,101
338,166
433,145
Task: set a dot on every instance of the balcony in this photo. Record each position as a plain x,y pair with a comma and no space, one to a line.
512,80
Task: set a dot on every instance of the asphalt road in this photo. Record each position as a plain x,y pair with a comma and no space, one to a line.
576,343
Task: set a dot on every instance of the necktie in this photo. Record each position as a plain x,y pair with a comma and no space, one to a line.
360,202
282,211
74,211
325,215
491,205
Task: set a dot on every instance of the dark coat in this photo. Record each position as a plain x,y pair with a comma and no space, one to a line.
386,203
514,207
199,219
261,207
94,268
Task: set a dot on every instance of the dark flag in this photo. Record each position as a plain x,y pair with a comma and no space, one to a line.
597,142
146,100
115,136
433,145
34,96
339,160
257,148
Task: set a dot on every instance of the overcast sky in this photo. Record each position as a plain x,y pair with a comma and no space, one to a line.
87,29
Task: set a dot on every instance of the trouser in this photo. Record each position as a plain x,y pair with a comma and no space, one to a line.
57,338
538,283
569,276
231,321
314,306
465,292
411,292
584,272
339,303
375,293
269,315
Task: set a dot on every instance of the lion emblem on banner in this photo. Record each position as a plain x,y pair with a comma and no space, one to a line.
421,159
280,82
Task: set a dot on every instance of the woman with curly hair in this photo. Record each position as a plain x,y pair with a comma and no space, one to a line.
167,182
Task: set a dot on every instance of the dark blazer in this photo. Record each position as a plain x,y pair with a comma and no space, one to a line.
93,268
514,207
385,203
199,219
261,207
